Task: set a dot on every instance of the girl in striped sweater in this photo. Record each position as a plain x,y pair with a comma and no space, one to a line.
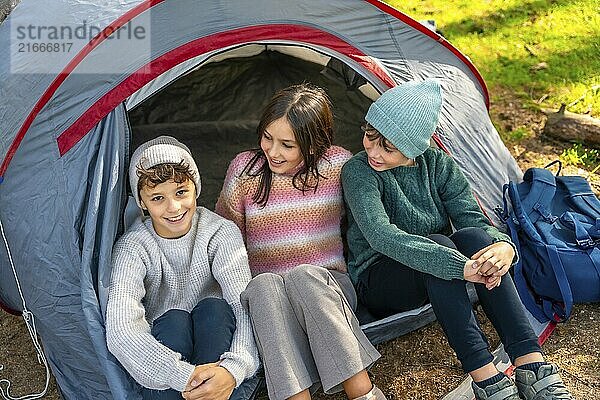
286,199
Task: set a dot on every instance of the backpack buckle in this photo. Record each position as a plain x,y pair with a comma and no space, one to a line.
501,214
587,243
544,213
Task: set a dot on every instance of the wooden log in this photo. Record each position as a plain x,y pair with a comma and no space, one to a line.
572,127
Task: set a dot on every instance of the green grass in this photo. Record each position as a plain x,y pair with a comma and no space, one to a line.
579,156
516,135
547,52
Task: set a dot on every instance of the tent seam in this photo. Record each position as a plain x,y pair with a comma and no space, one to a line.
389,21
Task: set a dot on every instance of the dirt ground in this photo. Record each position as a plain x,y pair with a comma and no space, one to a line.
419,365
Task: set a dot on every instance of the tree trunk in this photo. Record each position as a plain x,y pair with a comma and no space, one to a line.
568,126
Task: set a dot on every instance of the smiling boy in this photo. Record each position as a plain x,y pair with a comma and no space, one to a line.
174,318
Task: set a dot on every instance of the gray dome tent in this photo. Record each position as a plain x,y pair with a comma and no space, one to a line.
65,138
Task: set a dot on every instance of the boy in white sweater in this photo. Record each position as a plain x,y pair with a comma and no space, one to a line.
174,318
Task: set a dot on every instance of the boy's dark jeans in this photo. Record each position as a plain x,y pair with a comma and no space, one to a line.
388,287
200,337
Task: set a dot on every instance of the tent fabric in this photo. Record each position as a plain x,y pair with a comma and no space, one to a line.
60,250
65,140
88,100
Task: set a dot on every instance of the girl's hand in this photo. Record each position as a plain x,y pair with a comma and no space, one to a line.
495,259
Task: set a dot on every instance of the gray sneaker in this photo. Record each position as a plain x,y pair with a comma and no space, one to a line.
503,390
546,384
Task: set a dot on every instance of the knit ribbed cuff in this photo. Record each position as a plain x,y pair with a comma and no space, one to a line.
238,371
456,266
181,375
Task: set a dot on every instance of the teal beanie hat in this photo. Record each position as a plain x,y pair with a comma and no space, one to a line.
407,115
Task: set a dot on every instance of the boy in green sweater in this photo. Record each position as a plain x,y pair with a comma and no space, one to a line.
403,199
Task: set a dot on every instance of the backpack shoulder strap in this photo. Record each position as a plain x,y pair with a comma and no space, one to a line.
519,279
553,310
521,283
543,187
548,310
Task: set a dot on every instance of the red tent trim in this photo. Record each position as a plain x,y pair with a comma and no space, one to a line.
260,33
60,78
68,140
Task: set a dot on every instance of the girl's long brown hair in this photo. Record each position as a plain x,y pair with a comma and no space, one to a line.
307,109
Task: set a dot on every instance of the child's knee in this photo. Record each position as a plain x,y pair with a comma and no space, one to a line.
473,234
178,319
213,305
174,330
306,275
470,240
263,286
442,240
310,282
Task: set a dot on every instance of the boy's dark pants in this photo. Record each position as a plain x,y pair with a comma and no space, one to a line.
200,337
388,287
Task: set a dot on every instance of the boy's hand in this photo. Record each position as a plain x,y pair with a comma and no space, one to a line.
492,282
213,383
472,274
494,259
196,377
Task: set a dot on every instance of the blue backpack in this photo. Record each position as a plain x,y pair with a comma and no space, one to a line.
554,221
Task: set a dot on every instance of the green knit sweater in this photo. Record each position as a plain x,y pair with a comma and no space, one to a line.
391,212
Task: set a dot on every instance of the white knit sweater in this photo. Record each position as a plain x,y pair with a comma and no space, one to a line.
152,275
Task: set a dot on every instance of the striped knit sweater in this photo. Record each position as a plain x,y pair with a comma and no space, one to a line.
152,275
293,228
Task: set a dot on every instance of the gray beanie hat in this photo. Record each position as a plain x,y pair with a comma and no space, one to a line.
407,115
162,150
